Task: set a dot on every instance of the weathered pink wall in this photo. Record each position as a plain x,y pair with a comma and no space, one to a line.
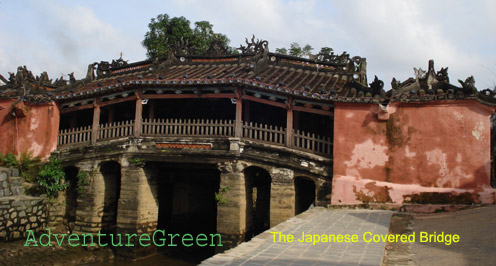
35,133
436,152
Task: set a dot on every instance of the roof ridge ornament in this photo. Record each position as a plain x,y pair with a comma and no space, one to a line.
254,47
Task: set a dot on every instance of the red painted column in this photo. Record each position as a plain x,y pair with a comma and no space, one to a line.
239,110
96,121
138,114
289,124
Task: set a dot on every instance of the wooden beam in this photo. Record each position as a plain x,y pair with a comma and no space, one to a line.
76,108
314,111
120,100
239,111
264,101
138,115
189,96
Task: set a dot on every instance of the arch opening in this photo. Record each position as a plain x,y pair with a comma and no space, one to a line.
111,172
304,194
257,183
187,204
71,195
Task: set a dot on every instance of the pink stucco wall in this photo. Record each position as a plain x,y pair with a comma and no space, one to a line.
34,131
436,152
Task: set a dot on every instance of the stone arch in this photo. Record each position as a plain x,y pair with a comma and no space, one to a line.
111,173
305,193
258,185
71,195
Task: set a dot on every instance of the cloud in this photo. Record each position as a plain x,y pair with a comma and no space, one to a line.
67,39
394,36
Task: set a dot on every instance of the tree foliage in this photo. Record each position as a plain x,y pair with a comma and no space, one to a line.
51,177
296,50
165,32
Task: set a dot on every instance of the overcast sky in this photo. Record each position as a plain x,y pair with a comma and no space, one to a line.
61,37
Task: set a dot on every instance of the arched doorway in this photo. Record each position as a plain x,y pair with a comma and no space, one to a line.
257,182
111,172
71,173
304,194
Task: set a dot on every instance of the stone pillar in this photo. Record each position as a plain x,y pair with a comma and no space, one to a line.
90,202
137,211
282,196
231,215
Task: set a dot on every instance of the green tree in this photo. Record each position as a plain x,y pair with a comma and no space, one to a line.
165,32
51,177
295,49
326,50
282,51
307,50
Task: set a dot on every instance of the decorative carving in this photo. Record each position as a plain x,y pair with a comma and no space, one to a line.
60,82
103,69
442,75
468,85
118,63
254,47
419,73
90,74
343,58
181,48
72,79
377,84
43,80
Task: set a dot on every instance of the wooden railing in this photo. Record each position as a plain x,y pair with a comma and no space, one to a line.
72,136
116,130
260,132
188,127
310,142
269,134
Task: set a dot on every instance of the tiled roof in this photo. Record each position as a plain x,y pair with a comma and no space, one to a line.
431,85
328,77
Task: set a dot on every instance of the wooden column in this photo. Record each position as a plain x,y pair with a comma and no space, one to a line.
151,109
138,113
289,124
96,121
246,113
73,121
239,110
111,114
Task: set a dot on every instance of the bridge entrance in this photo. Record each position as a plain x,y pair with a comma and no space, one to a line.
257,181
111,172
187,204
304,194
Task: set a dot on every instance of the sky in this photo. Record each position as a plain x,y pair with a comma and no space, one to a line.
394,36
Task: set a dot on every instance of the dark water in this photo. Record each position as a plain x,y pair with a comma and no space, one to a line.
156,259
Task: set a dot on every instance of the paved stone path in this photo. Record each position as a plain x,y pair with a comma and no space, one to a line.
262,250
